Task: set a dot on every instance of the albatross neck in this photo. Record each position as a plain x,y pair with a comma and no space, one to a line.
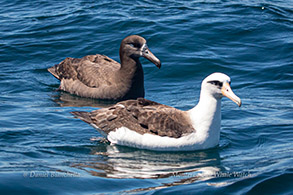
131,68
131,75
206,117
129,64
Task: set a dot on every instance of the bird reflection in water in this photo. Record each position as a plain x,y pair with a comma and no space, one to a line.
179,167
64,99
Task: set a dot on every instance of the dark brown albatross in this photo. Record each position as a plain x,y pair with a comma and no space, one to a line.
98,76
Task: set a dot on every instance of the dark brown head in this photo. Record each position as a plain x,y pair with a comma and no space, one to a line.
135,46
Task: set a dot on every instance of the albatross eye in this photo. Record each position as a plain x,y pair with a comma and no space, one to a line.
131,44
217,83
135,45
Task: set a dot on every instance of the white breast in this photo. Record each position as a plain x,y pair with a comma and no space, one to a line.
127,137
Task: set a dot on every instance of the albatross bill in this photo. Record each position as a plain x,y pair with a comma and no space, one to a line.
227,91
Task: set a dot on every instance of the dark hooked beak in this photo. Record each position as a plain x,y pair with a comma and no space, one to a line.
146,53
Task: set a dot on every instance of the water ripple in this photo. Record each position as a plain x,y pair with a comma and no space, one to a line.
248,40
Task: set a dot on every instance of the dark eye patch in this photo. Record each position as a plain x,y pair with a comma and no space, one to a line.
217,83
136,45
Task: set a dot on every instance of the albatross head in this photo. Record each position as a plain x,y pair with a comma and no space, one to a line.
135,46
218,85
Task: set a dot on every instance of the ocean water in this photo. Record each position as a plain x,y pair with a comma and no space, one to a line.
44,150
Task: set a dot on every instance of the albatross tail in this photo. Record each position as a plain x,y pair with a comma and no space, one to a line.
52,70
84,116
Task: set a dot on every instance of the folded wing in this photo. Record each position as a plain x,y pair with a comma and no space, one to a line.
142,116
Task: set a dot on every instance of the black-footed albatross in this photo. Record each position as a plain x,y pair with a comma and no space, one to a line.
98,76
149,125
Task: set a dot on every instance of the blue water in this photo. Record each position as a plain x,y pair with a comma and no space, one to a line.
43,149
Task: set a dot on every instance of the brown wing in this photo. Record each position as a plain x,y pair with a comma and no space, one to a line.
91,70
95,70
163,120
65,69
142,116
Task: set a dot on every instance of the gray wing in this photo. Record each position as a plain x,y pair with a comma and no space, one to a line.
142,116
91,70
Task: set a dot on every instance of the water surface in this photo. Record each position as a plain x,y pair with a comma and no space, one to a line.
43,149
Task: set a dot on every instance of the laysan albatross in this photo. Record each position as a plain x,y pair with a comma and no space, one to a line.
149,125
98,76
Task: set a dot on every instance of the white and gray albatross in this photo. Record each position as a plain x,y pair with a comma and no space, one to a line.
100,77
149,125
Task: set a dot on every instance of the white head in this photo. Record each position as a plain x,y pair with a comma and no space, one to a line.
218,85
